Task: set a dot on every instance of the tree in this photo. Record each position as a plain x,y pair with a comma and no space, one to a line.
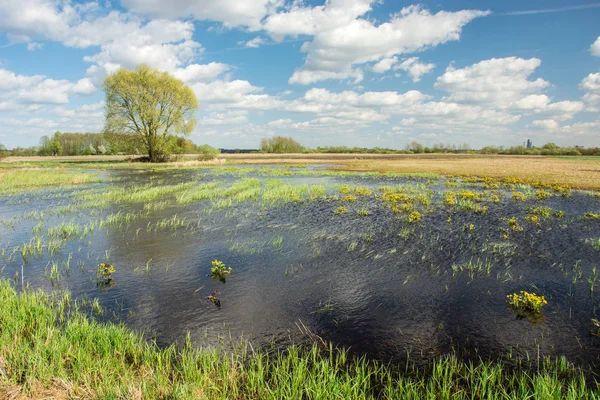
149,105
280,144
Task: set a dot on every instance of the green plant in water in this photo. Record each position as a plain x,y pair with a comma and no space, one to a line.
363,212
415,217
533,219
219,270
591,215
527,305
542,194
596,330
105,271
559,214
340,210
520,196
592,279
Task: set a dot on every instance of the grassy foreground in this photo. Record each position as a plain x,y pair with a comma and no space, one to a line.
50,349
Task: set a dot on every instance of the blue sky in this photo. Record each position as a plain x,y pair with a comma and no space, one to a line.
338,72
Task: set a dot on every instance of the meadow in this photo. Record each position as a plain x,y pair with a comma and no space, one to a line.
297,280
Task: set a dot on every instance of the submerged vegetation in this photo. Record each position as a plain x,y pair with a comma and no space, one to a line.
50,348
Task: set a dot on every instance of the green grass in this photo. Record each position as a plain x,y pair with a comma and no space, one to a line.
576,158
15,181
50,348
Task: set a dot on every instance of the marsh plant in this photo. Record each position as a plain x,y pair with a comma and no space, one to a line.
596,329
219,270
340,210
527,305
104,272
415,217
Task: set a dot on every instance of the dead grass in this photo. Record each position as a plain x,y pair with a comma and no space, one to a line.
581,174
577,172
59,389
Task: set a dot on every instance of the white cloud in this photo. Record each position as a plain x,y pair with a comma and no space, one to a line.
256,42
36,89
165,45
342,39
84,87
547,124
280,123
532,102
415,68
36,18
232,117
498,81
591,83
201,72
367,99
384,65
32,46
591,86
595,47
306,77
232,13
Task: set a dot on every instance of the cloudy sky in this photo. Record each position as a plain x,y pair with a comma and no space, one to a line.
337,72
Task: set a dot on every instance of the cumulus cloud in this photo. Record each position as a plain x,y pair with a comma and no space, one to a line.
504,84
500,81
547,124
84,87
255,43
232,117
415,68
595,47
201,72
232,13
591,86
34,89
343,40
384,65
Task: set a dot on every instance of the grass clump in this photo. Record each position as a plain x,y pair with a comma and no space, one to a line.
341,210
415,217
50,349
18,180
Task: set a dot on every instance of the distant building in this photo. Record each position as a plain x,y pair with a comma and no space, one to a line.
529,144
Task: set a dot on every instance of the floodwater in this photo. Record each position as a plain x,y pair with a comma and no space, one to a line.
376,284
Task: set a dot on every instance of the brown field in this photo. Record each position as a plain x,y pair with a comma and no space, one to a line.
578,172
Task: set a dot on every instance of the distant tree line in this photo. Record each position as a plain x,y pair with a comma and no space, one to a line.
279,144
83,144
77,144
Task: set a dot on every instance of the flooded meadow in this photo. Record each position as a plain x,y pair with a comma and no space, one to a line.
395,267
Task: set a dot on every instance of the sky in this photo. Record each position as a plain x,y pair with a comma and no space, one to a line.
367,73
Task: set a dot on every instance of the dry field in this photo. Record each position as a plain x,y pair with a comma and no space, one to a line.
578,172
582,173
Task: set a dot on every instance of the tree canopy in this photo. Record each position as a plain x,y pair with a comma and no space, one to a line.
280,144
148,106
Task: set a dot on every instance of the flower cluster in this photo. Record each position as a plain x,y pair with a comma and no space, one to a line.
526,303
